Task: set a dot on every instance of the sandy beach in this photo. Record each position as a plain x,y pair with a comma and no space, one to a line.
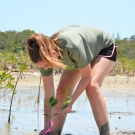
31,79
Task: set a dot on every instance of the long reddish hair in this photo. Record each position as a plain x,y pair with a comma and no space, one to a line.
40,48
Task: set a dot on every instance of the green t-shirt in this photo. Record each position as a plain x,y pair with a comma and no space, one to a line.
80,45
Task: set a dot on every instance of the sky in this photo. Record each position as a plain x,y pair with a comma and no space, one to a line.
49,16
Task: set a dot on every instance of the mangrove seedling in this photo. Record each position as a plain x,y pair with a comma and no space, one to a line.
51,104
68,98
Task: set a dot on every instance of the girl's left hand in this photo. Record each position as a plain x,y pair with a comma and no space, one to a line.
68,109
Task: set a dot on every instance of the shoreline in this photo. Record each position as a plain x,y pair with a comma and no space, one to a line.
32,79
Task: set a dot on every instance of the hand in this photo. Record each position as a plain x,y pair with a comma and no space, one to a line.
68,109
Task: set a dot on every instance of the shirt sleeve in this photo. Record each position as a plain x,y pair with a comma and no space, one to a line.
45,72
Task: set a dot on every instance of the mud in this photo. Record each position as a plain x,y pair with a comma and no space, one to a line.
27,115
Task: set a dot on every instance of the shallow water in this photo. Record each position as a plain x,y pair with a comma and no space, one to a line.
27,115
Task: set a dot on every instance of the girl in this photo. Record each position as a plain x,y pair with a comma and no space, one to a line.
86,54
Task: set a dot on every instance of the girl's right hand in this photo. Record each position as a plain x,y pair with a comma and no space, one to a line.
68,109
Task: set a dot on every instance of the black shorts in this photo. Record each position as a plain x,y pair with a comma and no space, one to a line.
109,52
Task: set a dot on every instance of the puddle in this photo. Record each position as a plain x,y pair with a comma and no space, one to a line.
27,115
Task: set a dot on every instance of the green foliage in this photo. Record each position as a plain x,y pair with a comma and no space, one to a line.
68,90
126,48
22,67
14,41
52,103
68,98
18,60
6,80
127,64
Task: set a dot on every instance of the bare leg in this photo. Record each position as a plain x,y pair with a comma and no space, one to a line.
68,78
100,68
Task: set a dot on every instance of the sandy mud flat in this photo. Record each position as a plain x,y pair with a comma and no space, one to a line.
27,115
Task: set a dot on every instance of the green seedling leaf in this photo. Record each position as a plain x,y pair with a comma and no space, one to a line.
69,101
55,114
51,100
47,104
54,102
65,103
68,97
46,114
68,90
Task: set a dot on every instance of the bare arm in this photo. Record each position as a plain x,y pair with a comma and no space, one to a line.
48,84
83,83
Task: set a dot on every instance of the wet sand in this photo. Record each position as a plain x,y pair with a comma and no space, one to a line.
30,79
27,115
